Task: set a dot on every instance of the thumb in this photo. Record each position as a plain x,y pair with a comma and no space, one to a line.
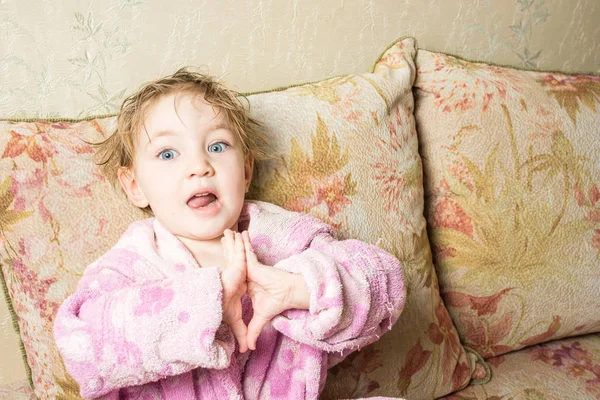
254,328
240,332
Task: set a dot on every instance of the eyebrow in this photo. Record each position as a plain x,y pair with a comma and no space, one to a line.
163,133
159,134
221,125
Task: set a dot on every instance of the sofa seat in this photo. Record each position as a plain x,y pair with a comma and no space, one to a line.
561,369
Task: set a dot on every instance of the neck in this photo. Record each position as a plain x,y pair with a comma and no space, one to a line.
204,248
207,252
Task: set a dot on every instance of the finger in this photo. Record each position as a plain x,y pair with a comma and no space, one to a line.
224,242
227,241
240,255
254,328
240,332
250,254
247,242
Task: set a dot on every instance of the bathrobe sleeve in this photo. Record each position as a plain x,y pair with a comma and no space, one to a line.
356,294
357,290
118,330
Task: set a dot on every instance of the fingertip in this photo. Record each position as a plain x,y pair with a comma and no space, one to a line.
226,239
251,340
248,243
239,244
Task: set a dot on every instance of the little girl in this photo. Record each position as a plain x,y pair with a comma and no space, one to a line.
215,297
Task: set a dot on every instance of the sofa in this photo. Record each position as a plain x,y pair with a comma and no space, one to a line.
483,180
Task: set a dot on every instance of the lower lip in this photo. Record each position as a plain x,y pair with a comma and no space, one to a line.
208,210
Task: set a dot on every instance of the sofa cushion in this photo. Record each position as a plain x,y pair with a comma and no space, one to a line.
513,203
11,361
19,390
350,157
58,214
561,369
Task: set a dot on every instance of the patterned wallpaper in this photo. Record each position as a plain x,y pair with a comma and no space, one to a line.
74,58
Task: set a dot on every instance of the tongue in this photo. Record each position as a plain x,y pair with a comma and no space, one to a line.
201,201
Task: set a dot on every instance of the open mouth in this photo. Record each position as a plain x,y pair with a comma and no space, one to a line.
201,200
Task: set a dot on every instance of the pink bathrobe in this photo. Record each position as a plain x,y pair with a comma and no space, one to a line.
145,321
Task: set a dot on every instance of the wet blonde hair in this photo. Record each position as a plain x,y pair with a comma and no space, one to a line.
118,150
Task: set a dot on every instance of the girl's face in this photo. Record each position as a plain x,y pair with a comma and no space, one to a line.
189,167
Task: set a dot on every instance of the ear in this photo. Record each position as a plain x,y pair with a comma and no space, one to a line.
131,187
248,166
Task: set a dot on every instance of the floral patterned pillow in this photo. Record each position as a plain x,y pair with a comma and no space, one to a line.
512,178
560,369
57,214
350,157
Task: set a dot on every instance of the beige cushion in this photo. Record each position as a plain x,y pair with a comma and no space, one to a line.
511,183
349,156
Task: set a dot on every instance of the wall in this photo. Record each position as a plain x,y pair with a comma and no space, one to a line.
75,58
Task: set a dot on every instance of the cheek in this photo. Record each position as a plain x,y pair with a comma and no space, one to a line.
156,183
237,170
237,182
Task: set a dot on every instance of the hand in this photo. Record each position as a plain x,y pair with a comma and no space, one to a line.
233,279
271,290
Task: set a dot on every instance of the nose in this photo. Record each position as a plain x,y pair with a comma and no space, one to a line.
200,166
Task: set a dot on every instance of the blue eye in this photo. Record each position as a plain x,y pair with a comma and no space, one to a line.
167,154
217,147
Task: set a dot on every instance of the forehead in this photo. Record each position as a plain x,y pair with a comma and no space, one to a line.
178,111
180,105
